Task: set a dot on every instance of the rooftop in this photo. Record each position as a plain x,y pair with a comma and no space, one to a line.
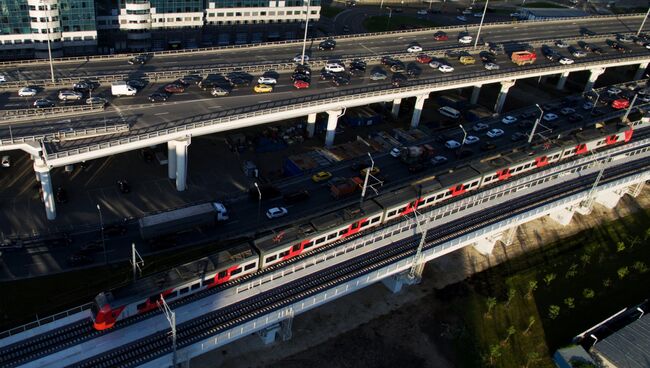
627,347
553,12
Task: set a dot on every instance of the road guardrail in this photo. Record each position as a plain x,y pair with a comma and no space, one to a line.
22,114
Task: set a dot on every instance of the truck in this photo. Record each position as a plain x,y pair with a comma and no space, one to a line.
414,154
164,223
122,89
340,187
523,57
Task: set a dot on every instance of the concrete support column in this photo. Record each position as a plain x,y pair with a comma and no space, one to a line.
485,244
636,189
476,90
562,216
282,329
503,93
593,76
417,110
395,110
639,72
311,125
268,334
43,172
562,81
610,198
181,162
394,283
332,120
171,159
542,79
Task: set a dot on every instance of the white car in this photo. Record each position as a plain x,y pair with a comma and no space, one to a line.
567,111
578,53
491,66
465,39
550,116
334,67
414,48
560,43
395,152
478,15
471,139
422,12
509,119
452,144
480,126
613,90
434,64
566,61
438,160
27,92
446,68
299,57
6,161
70,95
266,80
276,212
493,133
462,18
3,78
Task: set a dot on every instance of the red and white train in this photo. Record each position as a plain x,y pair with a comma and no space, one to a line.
249,257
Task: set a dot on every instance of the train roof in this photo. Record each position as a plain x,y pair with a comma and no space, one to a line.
457,176
427,185
401,196
195,270
276,238
330,220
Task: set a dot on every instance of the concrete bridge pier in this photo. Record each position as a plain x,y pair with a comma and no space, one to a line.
639,72
417,110
332,120
395,111
181,146
593,76
311,125
282,329
43,172
562,81
394,283
476,90
485,245
610,198
563,215
503,93
171,160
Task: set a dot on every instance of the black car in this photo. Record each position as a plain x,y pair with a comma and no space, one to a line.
325,75
341,80
295,197
525,124
136,83
207,84
123,186
357,72
486,57
398,67
114,230
301,76
464,153
496,49
387,60
358,64
517,136
529,115
61,195
79,259
43,103
327,45
139,60
239,82
158,96
303,69
191,79
397,80
598,111
587,32
488,146
85,86
413,71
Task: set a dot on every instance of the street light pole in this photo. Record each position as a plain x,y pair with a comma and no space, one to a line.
418,253
259,201
643,23
381,5
304,40
464,135
539,118
629,108
101,224
595,102
478,34
171,318
365,181
49,47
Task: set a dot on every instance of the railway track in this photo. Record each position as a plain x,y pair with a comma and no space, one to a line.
211,323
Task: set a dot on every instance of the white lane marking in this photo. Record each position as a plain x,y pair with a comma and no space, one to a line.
214,107
162,113
371,50
265,101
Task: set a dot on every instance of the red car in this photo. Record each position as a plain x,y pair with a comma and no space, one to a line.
440,36
300,84
174,88
620,103
424,59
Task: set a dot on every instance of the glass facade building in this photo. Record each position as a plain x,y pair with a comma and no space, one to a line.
77,15
14,17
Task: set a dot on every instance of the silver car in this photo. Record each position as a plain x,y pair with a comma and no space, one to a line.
69,96
378,76
491,66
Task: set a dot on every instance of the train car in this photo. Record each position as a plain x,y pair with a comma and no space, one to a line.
428,190
144,294
398,203
458,181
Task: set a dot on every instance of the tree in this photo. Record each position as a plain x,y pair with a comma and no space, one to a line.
647,234
570,302
588,293
510,331
607,282
531,358
490,303
549,278
511,295
622,272
620,246
495,353
640,267
531,322
572,272
553,311
532,286
585,259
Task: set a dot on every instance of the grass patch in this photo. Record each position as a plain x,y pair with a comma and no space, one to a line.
542,4
381,24
330,11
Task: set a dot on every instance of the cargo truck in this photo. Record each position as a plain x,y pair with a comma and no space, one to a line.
122,89
344,187
164,223
523,57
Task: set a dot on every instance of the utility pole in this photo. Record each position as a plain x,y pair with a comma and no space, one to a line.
464,135
304,41
171,318
101,224
259,201
629,108
416,269
365,181
49,47
643,23
135,263
532,132
478,34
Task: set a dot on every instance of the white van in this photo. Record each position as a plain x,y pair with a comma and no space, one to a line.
6,161
449,112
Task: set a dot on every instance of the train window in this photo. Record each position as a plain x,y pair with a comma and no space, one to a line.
320,240
392,213
332,236
295,248
184,290
343,232
236,271
528,165
472,184
440,196
172,295
271,258
196,286
355,225
308,245
283,254
249,266
376,219
364,223
222,274
140,306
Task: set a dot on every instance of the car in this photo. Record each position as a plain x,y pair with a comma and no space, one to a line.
395,152
263,88
577,52
413,71
488,146
276,212
477,15
398,79
27,92
375,170
95,100
444,68
340,80
79,259
398,67
620,103
334,67
139,60
495,132
421,12
136,83
588,105
574,118
357,71
471,139
613,91
67,95
43,103
491,66
567,111
158,96
220,91
480,126
321,176
174,88
300,84
438,160
267,80
517,136
462,18
414,48
3,78
586,32
565,61
358,64
560,43
624,38
423,58
452,144
465,39
440,36
298,58
434,64
550,116
6,161
387,60
327,45
123,186
300,76
191,79
548,106
487,57
239,82
496,49
416,167
378,76
509,119
85,86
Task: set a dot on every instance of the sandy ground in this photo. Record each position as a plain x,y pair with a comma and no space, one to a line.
376,328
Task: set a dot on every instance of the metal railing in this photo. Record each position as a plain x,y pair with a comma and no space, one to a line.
263,109
61,135
17,114
42,321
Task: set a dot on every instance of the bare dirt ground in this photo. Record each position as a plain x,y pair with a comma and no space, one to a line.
374,328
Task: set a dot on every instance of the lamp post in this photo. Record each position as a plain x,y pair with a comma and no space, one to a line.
643,23
101,224
381,5
390,14
595,102
478,34
259,201
365,181
49,47
304,40
629,109
418,253
539,118
464,135
171,318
